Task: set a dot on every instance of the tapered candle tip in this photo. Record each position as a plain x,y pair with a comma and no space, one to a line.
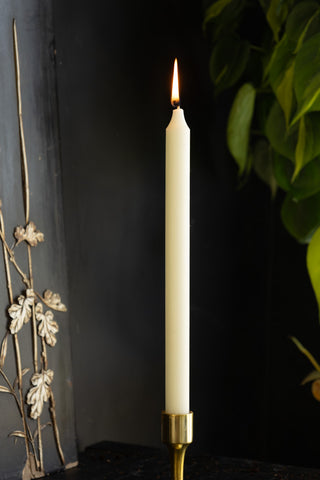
175,98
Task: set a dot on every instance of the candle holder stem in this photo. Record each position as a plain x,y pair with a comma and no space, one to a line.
177,434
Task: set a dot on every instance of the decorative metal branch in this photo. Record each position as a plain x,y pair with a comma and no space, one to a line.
21,311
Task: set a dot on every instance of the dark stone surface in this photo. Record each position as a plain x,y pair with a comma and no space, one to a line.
115,461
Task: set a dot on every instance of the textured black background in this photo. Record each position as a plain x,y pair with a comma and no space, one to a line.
249,287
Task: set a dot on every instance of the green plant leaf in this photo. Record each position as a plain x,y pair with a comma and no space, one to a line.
283,141
306,79
313,125
263,164
280,71
301,218
305,185
283,171
281,55
302,22
239,123
225,23
310,100
276,15
313,264
214,10
304,148
284,92
228,62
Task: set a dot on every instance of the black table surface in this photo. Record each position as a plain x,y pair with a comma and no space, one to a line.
116,461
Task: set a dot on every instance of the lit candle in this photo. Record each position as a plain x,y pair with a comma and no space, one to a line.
177,257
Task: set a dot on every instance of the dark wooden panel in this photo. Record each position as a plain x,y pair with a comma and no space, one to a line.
39,104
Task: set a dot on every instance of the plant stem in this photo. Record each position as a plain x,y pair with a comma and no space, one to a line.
35,355
24,420
44,354
55,426
21,130
11,390
13,260
27,213
53,406
34,323
17,350
30,438
306,352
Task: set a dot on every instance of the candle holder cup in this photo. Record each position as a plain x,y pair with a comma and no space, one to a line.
177,434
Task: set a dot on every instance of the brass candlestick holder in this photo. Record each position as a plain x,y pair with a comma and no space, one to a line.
177,434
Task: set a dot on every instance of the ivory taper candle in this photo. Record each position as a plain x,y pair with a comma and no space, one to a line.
177,257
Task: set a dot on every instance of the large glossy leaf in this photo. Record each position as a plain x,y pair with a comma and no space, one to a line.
280,71
280,58
263,164
313,123
304,148
214,10
228,62
225,23
302,22
306,79
276,15
301,218
239,122
284,91
313,264
282,141
305,185
285,141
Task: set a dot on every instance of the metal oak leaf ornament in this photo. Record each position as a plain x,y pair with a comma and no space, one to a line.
40,392
29,234
53,300
47,326
21,312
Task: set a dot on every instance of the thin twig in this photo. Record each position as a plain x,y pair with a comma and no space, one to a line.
21,130
44,354
55,427
53,405
34,323
35,354
19,372
6,261
13,261
12,391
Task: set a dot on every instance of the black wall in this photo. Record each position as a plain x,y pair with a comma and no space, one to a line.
249,287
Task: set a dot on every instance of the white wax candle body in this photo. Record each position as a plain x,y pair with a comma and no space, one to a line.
177,268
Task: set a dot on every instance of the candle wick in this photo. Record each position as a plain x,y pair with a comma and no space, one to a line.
175,104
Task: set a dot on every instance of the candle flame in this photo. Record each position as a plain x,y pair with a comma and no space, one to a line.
175,99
